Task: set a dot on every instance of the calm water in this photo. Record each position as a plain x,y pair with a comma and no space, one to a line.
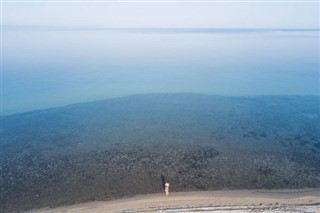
45,68
121,147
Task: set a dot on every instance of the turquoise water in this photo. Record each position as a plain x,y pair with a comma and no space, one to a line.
50,67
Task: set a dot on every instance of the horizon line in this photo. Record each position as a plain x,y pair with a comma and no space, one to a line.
159,1
157,29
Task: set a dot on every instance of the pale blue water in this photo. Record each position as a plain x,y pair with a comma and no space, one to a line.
50,67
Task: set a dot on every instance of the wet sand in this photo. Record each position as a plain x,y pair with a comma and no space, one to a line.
305,200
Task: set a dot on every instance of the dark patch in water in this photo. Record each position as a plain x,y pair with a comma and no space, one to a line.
121,147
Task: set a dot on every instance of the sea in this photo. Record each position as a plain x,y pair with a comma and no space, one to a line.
45,66
94,113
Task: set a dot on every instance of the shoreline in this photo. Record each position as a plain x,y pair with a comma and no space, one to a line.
293,200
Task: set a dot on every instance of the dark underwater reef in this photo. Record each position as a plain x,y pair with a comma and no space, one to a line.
120,147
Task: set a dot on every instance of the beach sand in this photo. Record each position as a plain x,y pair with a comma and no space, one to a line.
236,201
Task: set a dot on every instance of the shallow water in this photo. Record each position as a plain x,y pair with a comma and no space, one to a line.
121,147
47,67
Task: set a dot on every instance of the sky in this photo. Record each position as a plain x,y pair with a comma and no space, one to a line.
259,14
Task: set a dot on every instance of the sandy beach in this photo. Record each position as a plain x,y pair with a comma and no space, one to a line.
306,200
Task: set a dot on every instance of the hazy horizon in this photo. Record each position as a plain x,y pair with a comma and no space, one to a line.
55,54
61,67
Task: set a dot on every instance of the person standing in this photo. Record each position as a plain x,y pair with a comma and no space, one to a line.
165,185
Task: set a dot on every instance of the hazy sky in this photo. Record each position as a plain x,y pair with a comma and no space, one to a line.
214,14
